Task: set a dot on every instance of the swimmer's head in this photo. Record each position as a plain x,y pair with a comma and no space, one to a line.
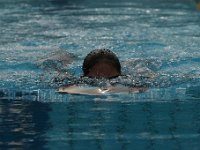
101,63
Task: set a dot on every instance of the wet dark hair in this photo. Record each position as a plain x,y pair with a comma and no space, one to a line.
97,56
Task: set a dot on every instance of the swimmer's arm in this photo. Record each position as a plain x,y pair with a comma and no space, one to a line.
56,61
98,91
80,90
113,89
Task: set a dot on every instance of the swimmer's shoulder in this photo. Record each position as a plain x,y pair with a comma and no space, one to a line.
75,89
82,90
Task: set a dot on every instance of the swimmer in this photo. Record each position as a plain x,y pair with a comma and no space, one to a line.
100,63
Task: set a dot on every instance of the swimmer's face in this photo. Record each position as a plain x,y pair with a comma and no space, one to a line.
103,70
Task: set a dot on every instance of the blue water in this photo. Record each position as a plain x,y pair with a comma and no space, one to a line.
151,38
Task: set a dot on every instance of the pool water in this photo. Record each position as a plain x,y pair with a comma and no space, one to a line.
156,37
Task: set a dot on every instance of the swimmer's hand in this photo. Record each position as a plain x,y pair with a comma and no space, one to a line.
99,91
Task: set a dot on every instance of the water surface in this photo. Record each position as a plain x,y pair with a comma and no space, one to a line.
159,37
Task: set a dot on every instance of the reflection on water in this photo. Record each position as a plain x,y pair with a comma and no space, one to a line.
100,124
23,124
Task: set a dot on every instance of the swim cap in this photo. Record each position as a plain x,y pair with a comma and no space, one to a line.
98,55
